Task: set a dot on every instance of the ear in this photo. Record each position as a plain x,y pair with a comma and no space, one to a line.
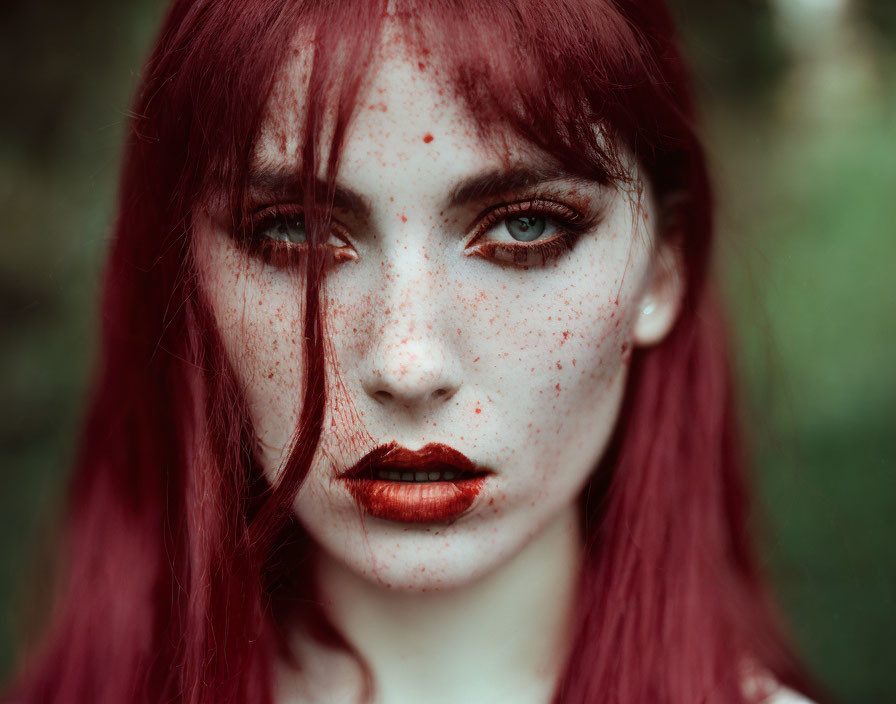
662,297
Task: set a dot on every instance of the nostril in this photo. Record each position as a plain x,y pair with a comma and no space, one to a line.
382,396
443,394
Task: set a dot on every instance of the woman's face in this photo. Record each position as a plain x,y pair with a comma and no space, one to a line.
481,299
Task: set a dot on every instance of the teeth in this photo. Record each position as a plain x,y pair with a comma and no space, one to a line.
393,476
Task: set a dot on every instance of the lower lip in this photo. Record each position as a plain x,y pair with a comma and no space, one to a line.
415,502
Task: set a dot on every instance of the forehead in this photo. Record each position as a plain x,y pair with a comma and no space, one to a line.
407,119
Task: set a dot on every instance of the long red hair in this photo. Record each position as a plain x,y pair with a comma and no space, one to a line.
174,582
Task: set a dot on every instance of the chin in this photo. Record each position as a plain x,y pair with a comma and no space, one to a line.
414,559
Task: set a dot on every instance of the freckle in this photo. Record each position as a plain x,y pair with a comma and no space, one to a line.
559,366
403,218
557,387
427,138
476,360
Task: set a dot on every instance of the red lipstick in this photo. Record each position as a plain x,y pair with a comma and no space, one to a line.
433,484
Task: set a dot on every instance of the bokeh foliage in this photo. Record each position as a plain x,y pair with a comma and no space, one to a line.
805,161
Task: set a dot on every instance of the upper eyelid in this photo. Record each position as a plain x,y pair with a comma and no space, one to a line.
529,204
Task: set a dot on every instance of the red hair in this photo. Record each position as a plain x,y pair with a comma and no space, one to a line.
175,587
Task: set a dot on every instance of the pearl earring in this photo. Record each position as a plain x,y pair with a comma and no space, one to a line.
648,309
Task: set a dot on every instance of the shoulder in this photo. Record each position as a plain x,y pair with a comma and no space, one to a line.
760,686
786,696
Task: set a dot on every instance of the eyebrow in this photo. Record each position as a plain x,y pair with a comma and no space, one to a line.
286,182
499,182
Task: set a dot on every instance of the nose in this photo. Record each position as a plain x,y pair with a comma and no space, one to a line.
410,373
410,363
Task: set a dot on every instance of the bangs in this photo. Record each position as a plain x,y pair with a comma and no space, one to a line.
552,74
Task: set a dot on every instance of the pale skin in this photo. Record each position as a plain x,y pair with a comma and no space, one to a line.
520,367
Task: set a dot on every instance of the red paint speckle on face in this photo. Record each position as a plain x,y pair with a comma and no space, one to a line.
404,218
478,410
427,138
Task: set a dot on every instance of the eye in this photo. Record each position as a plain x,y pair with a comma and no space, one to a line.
528,233
277,234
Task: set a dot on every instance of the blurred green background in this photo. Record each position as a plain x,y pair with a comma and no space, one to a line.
799,109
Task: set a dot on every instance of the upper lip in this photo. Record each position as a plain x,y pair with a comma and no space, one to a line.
433,457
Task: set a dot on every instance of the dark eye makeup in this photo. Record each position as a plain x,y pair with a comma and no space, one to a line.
526,233
276,234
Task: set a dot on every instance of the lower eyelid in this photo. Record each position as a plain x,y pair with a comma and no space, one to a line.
526,254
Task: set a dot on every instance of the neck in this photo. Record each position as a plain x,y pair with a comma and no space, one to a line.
502,638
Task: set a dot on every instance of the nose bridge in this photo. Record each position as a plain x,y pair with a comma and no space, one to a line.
410,361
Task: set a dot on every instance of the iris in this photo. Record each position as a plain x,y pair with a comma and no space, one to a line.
288,229
525,229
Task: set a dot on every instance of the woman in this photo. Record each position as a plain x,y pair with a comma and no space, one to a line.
412,385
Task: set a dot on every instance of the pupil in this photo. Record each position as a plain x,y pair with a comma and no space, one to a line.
526,229
292,230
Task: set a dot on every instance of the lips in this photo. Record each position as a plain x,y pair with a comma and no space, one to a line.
434,484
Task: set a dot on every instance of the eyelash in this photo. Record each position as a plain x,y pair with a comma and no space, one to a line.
277,253
569,223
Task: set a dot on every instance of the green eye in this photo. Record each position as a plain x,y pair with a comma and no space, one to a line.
288,229
526,228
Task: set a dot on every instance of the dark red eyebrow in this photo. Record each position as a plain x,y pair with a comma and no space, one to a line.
500,182
285,183
494,183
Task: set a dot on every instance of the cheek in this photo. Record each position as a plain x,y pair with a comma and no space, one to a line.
552,361
258,312
557,339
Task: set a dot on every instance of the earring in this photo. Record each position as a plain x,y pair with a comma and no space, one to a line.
648,309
